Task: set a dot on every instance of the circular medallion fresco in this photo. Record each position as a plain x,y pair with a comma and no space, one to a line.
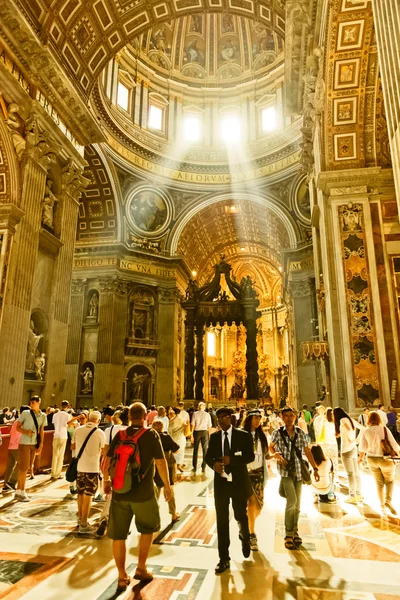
148,212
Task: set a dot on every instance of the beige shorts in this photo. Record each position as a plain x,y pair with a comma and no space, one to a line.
26,456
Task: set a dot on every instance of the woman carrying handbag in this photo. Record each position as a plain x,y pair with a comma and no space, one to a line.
378,443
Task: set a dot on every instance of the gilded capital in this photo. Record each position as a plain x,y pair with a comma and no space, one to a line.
73,181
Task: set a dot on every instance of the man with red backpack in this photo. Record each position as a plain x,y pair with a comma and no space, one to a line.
129,472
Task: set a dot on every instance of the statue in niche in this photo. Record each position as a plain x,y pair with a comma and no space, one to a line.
40,362
138,382
87,376
94,306
14,125
49,202
246,286
32,350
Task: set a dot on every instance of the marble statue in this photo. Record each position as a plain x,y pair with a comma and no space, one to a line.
40,362
138,382
49,202
13,125
32,350
94,306
87,375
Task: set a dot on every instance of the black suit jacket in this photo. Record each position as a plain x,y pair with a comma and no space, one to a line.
242,442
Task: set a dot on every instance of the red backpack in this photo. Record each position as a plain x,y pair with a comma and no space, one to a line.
125,466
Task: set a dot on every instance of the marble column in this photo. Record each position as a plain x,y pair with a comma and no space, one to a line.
39,154
357,342
109,372
387,28
73,184
249,321
166,357
189,358
301,291
199,378
72,362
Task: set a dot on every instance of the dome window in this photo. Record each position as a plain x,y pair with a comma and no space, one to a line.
230,129
123,96
268,119
155,117
191,128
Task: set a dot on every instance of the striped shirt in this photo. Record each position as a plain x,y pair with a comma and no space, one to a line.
286,448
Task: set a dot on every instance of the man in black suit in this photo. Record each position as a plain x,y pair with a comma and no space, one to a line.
229,452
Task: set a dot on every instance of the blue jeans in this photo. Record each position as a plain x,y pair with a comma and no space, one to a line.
292,488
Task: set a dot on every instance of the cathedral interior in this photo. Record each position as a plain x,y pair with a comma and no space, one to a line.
150,148
199,200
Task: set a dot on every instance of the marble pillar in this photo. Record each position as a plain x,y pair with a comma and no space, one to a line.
189,360
73,184
199,377
166,383
39,154
109,375
72,362
358,345
302,293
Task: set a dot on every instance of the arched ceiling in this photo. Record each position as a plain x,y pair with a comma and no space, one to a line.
355,132
243,230
85,35
209,48
98,217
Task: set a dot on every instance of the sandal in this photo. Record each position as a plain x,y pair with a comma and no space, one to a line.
123,584
289,543
143,575
297,540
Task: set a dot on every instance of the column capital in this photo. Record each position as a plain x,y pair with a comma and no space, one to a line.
113,285
300,288
39,145
78,286
10,216
168,295
351,181
73,181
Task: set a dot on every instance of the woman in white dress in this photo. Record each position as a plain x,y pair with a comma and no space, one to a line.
345,426
176,430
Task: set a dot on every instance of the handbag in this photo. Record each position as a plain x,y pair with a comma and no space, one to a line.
305,471
72,471
38,437
386,446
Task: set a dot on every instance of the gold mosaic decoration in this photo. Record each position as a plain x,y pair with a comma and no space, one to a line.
359,302
352,75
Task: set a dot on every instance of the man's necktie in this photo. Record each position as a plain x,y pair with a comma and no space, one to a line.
227,452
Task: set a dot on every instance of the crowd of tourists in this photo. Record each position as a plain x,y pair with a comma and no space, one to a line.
124,457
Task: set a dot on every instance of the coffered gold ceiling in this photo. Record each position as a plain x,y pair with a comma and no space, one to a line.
244,231
355,125
85,35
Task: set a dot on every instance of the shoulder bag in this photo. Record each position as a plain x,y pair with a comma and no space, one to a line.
387,446
72,471
38,438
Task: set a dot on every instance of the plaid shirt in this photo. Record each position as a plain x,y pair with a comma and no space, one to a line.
285,449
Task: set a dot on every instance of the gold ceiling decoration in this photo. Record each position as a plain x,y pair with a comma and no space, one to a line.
352,83
209,48
97,207
251,236
85,35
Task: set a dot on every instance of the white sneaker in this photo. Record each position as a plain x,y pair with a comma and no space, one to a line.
22,496
86,530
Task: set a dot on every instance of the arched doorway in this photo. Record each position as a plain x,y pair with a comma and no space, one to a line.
139,385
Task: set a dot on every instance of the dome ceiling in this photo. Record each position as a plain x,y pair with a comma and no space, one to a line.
243,230
210,48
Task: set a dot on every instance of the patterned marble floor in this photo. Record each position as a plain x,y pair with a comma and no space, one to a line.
348,553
